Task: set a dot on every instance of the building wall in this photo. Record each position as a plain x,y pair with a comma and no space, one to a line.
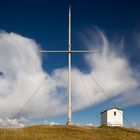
115,120
109,118
104,118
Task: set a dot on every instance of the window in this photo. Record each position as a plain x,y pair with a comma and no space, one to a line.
114,113
1,73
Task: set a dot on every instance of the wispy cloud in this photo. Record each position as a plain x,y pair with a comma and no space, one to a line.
22,73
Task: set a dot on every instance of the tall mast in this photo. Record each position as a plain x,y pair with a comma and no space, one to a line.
69,73
69,51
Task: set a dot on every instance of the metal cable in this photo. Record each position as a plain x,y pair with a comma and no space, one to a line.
84,85
34,93
49,103
30,98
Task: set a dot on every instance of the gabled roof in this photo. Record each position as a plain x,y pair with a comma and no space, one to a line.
111,109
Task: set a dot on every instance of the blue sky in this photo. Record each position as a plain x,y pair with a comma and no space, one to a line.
46,21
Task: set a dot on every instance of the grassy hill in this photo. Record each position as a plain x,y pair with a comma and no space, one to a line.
69,133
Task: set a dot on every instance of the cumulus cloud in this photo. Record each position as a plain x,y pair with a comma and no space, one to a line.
21,73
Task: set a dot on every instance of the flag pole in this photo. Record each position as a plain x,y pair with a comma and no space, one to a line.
69,74
69,51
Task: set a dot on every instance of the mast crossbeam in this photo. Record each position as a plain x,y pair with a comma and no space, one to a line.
71,51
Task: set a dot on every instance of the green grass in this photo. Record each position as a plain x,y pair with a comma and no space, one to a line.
69,133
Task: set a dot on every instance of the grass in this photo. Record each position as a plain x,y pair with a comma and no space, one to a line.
44,132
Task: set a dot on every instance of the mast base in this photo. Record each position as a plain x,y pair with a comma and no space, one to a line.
69,122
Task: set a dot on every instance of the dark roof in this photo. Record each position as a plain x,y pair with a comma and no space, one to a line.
112,108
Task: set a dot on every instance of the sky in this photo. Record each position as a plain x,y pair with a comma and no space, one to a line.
26,27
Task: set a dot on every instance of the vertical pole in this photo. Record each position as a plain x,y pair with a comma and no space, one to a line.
69,73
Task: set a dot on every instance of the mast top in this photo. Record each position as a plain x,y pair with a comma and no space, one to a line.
69,7
69,28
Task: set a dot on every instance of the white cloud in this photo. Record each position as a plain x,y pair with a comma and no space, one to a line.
21,66
53,123
9,123
89,124
22,71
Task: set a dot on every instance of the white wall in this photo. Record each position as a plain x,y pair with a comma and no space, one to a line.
115,120
108,117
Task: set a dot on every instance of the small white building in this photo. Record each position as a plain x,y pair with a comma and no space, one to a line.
112,117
